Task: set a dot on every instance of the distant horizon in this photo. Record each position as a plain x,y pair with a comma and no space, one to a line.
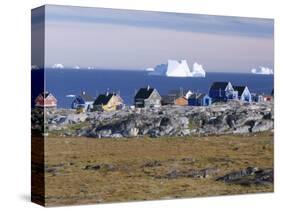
137,70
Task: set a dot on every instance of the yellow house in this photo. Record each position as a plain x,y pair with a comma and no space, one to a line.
108,102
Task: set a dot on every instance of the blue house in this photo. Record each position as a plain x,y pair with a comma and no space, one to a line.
256,97
222,91
83,101
197,99
243,93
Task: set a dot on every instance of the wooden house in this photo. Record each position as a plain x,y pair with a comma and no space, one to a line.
45,100
108,102
147,97
181,101
168,100
198,99
243,93
267,98
222,91
83,101
256,97
176,97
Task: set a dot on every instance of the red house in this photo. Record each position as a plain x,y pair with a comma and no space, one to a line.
45,100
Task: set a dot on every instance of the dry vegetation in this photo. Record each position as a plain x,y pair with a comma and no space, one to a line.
86,170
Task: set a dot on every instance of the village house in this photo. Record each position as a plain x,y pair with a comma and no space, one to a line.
243,93
256,97
176,97
198,99
108,102
267,98
45,100
181,101
147,97
83,101
222,91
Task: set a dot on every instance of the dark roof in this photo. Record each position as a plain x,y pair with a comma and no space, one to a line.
144,93
86,97
197,96
168,99
219,85
103,99
178,93
45,94
240,89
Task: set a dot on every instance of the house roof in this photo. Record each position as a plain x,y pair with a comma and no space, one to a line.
46,94
168,99
240,89
179,92
197,96
86,97
103,99
219,85
144,93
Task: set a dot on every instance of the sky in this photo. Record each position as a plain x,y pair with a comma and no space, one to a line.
136,40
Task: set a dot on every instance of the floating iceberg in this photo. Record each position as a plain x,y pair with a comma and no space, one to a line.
176,68
149,69
76,67
262,70
58,65
34,67
198,70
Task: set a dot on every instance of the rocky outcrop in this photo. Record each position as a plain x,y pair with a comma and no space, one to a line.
227,118
249,176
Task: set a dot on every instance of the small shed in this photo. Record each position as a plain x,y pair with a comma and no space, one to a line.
147,97
108,102
256,97
198,99
46,100
181,101
243,93
83,101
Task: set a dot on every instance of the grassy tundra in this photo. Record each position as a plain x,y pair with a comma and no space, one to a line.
87,170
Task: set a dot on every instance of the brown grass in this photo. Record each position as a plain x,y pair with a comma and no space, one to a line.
68,182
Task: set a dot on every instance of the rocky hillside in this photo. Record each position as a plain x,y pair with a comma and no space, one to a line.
227,118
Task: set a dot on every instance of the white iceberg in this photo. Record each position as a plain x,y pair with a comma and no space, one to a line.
149,69
90,67
198,70
76,67
180,68
58,65
262,70
34,67
70,96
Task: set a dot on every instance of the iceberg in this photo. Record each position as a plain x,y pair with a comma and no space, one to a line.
262,70
180,68
58,65
149,69
76,67
198,70
34,67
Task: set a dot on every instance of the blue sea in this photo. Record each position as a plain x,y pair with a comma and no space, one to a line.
71,82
